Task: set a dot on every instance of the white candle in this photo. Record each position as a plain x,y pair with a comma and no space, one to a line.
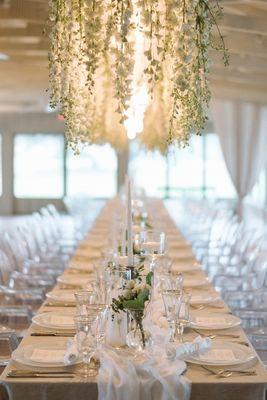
129,224
114,234
123,233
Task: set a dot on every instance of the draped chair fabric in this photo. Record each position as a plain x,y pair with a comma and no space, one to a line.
242,129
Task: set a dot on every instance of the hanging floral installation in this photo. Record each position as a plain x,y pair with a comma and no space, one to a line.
93,57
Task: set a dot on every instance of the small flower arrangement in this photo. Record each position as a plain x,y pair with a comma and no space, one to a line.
134,297
135,294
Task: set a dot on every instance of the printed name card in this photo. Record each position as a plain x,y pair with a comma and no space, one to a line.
218,355
45,355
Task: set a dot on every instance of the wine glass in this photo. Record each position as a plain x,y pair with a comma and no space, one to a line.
171,283
100,326
176,305
85,301
152,243
86,343
170,301
182,315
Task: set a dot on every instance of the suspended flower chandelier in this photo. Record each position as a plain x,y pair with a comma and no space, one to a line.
95,64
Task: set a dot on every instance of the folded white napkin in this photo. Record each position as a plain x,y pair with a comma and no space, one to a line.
121,377
199,345
72,353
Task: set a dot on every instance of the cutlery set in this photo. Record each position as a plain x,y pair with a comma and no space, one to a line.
214,335
58,334
227,373
39,374
204,306
59,304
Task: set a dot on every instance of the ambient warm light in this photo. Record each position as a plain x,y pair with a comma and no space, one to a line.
135,113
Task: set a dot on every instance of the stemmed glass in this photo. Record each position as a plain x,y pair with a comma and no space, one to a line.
169,282
86,343
85,301
177,312
182,315
152,243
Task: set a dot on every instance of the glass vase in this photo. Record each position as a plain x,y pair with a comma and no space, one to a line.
138,338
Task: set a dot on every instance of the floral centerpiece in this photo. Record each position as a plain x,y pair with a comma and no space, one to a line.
134,297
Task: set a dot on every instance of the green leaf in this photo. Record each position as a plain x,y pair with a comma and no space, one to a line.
149,278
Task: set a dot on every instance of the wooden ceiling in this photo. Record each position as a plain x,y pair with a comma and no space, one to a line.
24,74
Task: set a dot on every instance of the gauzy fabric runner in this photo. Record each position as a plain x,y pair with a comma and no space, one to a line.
122,377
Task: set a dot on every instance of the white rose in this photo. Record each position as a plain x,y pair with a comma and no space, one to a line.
127,294
130,284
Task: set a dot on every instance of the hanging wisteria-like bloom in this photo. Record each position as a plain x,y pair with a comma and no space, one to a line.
93,57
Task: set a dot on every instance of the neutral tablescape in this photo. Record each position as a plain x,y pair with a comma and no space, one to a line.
229,370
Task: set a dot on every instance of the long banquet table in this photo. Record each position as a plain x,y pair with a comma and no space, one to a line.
204,385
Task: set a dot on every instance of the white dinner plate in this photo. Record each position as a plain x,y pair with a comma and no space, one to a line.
223,353
55,320
204,298
44,354
64,296
201,320
74,279
195,282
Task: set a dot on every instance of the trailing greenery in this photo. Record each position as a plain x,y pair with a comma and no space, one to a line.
94,68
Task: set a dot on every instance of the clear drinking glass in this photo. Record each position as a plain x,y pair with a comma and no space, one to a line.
176,305
170,282
86,343
182,316
152,243
85,299
99,326
170,300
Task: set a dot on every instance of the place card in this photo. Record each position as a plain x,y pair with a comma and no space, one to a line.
206,321
46,355
61,320
218,355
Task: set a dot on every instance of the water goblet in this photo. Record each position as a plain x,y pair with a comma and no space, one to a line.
182,316
84,298
170,301
86,344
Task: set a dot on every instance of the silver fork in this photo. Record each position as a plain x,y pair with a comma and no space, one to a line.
214,335
226,373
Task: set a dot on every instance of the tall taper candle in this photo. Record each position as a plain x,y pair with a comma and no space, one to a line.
123,232
129,224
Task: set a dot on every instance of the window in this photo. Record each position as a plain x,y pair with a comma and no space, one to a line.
38,166
93,172
186,169
217,178
196,170
258,193
148,170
